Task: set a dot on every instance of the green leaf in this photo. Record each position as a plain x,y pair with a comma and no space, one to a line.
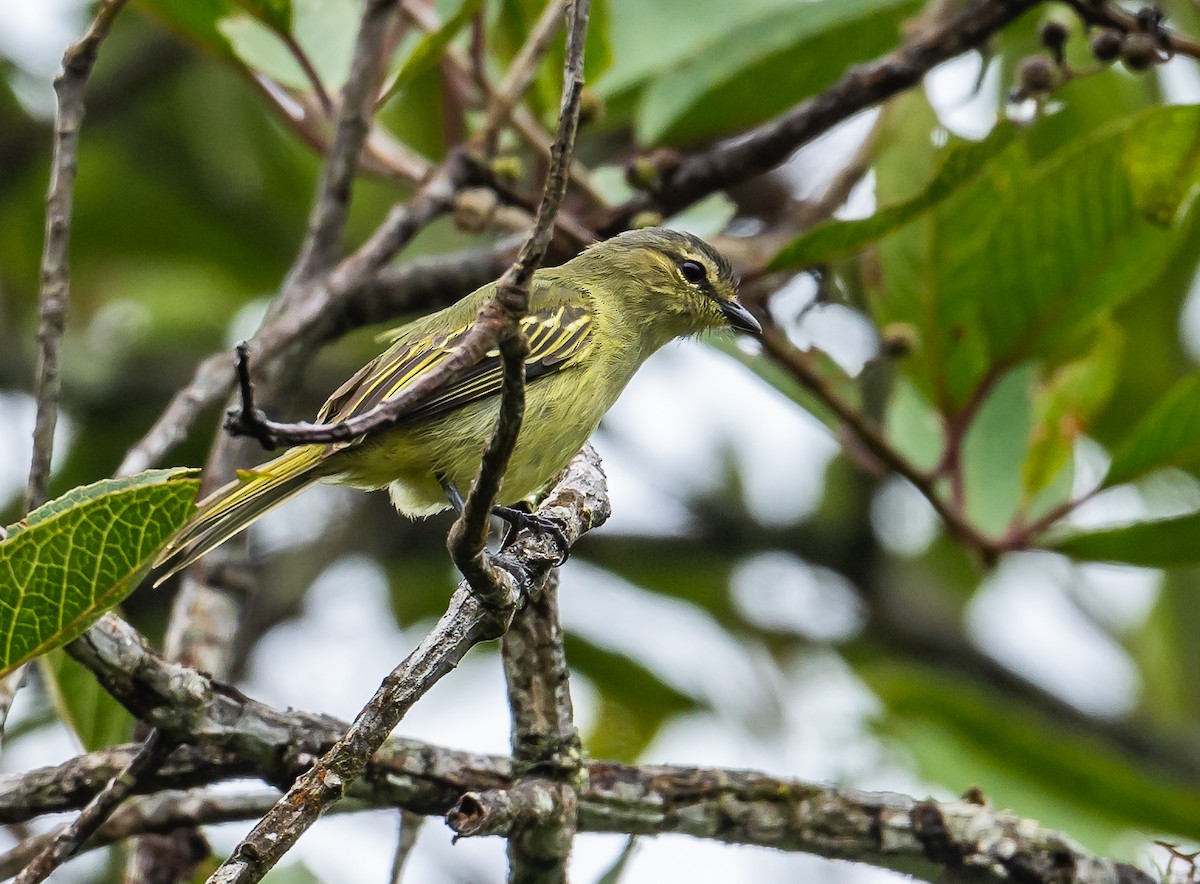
993,452
1160,543
86,708
275,14
913,427
1018,263
961,736
323,29
197,20
1168,436
753,72
430,48
78,556
636,703
1066,402
963,161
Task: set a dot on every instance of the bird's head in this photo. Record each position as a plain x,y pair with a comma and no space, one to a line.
670,281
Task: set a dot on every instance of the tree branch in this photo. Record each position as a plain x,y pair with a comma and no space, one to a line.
70,838
766,146
53,298
578,502
519,75
547,753
924,838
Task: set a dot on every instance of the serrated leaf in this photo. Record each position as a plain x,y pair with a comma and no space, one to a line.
963,161
752,72
1169,435
275,14
78,556
1161,543
1020,261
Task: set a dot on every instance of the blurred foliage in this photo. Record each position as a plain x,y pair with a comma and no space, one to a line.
1028,293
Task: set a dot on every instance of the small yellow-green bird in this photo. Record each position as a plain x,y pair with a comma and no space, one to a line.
591,324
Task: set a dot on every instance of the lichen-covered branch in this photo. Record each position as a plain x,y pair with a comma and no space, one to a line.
577,503
926,838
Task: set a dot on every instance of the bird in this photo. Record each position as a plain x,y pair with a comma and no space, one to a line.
590,325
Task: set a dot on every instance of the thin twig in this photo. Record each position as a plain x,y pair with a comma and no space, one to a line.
153,814
518,76
53,298
864,431
332,205
310,72
1112,16
468,538
406,839
466,622
152,754
766,146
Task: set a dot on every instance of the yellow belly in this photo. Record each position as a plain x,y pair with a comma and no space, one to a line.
561,412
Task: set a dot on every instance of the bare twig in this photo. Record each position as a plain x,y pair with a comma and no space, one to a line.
518,76
406,839
865,432
154,814
468,537
359,297
310,72
65,844
863,86
578,502
332,204
78,61
54,294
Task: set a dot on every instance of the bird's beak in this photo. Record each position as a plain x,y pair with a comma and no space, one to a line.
739,317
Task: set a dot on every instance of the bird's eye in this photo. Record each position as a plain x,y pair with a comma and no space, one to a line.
692,271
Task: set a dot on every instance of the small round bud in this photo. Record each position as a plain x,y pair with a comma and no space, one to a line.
1149,18
645,219
1139,52
899,339
1106,44
507,168
643,174
591,107
474,209
1054,37
1035,75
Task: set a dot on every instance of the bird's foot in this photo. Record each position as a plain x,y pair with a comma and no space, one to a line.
518,519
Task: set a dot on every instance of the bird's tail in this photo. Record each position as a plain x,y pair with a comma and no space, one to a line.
228,510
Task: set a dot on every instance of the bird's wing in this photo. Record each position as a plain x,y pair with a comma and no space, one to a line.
557,337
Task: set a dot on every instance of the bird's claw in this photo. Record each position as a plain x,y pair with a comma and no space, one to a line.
519,519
